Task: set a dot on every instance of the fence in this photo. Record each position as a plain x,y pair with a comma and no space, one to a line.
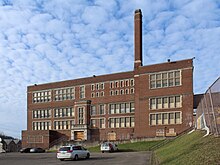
208,110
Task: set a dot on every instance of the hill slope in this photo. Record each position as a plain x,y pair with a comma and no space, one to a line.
193,149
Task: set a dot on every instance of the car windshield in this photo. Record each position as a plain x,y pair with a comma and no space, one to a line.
64,149
105,144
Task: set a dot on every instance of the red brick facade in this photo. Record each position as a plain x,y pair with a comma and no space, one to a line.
150,101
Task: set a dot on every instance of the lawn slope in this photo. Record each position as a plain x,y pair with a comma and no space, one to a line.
192,149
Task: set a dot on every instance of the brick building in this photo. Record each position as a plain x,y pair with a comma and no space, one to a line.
150,101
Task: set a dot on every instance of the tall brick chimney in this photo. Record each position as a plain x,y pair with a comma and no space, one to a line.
137,38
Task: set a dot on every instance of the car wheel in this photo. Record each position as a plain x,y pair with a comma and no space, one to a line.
102,151
88,155
61,159
76,157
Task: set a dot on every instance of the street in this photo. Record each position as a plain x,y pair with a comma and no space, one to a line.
118,158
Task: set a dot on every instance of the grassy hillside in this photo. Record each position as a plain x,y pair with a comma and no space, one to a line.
136,146
193,149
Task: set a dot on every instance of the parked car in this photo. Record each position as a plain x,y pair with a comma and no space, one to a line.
37,150
25,150
108,147
73,152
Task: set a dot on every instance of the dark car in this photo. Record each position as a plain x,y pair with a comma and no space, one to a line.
25,150
37,150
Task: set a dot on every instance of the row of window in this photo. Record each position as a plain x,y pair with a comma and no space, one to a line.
122,83
65,124
98,86
64,94
64,112
45,125
98,123
121,122
122,92
43,113
58,112
118,108
166,102
165,118
97,94
97,110
117,122
165,79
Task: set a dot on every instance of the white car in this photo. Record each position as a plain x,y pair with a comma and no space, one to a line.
108,147
73,152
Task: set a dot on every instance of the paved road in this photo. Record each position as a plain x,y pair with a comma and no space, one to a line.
119,158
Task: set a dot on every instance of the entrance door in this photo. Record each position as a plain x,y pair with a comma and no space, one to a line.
112,136
79,135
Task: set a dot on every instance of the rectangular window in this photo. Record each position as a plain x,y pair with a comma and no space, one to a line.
80,115
122,107
117,108
117,121
127,107
132,121
127,121
93,110
92,87
41,96
112,108
82,92
122,122
102,109
93,123
132,107
102,123
112,123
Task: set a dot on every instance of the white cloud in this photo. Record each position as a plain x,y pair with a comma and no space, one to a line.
46,41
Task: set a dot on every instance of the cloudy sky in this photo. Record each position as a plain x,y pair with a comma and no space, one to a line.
54,40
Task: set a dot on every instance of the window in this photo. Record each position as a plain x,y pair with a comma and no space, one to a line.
126,91
116,84
121,83
93,110
97,86
102,123
166,102
41,96
93,87
101,109
112,108
92,94
165,79
111,93
132,91
64,94
82,92
102,93
111,84
102,86
93,123
132,82
132,107
80,115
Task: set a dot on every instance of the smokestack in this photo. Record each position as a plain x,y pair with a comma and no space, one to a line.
137,38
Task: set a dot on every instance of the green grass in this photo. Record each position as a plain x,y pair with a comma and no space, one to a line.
193,149
130,147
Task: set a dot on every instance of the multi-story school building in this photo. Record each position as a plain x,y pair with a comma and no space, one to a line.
149,101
